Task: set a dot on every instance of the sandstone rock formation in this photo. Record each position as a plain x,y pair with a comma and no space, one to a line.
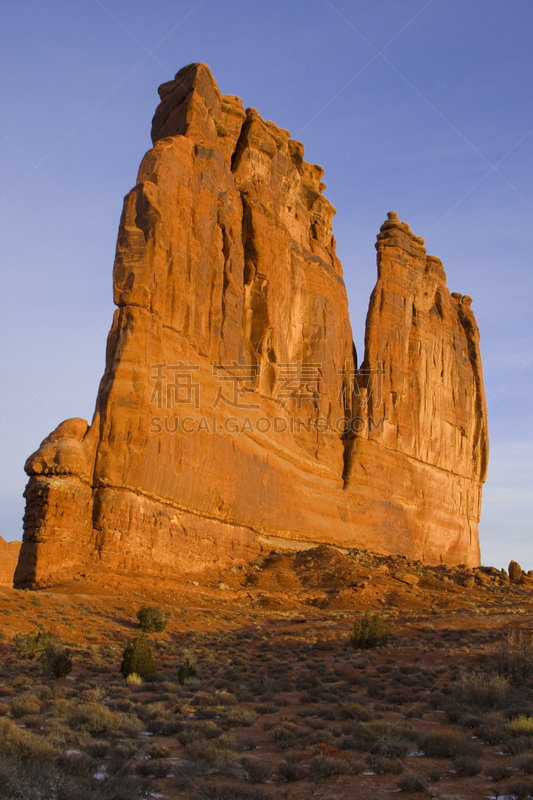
9,553
231,416
422,468
515,572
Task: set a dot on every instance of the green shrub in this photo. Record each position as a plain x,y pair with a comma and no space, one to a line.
151,619
32,645
186,672
138,658
56,661
369,631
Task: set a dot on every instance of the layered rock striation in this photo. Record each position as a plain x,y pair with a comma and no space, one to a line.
231,416
9,553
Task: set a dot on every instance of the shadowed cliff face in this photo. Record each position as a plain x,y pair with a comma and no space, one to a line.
231,413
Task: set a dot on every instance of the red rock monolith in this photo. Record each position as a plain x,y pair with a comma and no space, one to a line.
231,416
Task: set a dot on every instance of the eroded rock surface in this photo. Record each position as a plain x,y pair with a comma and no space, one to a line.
231,414
419,456
9,553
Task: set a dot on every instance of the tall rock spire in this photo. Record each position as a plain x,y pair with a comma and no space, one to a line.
420,453
231,413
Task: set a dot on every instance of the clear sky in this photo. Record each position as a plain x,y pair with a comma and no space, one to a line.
421,107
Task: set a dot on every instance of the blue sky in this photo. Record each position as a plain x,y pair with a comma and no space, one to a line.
421,107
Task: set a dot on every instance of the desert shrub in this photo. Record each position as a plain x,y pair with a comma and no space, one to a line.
171,687
514,657
382,765
255,771
240,716
266,708
356,711
25,704
522,725
246,741
133,679
491,731
411,783
158,751
327,712
499,773
225,698
517,745
76,764
118,787
284,731
19,744
98,720
291,771
228,741
369,631
149,712
186,672
36,780
157,769
21,680
207,713
31,645
384,739
520,790
151,619
525,764
323,736
399,697
99,748
199,731
326,766
57,661
217,760
138,658
481,690
466,765
448,745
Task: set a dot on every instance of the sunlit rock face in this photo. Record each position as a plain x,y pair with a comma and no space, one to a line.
231,417
9,553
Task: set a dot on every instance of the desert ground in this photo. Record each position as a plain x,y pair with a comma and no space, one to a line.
282,704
